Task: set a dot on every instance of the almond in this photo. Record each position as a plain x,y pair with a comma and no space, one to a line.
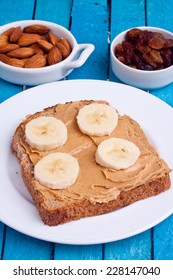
9,48
24,59
54,56
8,31
37,49
65,43
44,38
21,52
16,62
52,38
36,61
28,39
46,46
15,34
62,49
36,28
4,58
3,41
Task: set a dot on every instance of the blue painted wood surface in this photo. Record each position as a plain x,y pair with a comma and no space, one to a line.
96,22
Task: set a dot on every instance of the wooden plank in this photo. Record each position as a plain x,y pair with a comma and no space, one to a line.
90,25
78,252
7,90
55,11
1,239
135,248
16,10
163,240
22,247
125,15
165,94
159,14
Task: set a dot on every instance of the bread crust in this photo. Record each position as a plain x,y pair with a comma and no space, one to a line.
77,209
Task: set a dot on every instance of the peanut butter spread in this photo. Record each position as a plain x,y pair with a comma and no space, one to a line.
96,183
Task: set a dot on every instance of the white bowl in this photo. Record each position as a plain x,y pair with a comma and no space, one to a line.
36,76
141,78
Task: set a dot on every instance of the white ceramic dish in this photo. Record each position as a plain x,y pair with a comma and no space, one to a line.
36,76
16,207
141,78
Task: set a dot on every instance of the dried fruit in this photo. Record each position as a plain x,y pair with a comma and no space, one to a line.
169,43
157,43
149,61
143,48
133,33
156,56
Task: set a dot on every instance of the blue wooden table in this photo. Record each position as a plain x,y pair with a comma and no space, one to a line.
97,22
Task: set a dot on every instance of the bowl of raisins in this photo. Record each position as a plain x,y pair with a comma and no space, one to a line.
143,57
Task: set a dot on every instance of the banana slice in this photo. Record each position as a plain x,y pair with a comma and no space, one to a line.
117,153
57,170
97,119
45,133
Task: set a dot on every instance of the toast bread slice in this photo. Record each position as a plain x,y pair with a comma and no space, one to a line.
108,192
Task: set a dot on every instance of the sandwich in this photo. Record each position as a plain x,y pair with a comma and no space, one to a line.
82,159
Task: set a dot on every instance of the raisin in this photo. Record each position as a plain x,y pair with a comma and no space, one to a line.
157,43
165,51
133,33
129,58
160,67
122,59
119,49
149,61
128,46
166,56
143,48
144,66
136,59
156,56
143,37
169,43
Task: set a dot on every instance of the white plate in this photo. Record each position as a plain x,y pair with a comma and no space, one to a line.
16,207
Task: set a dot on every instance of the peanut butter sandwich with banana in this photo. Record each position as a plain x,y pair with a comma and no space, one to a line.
83,158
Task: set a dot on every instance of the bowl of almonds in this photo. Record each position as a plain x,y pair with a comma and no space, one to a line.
143,57
34,52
